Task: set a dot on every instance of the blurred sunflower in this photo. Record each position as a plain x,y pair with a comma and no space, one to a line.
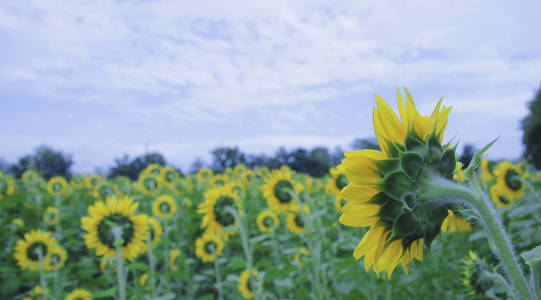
168,176
204,174
245,286
499,197
455,223
37,293
155,230
30,176
7,186
267,221
116,211
175,253
18,222
93,180
26,250
77,181
337,181
248,176
143,279
277,189
509,180
487,169
238,187
459,172
51,215
164,207
148,183
58,186
152,170
385,187
219,180
215,216
103,190
79,294
209,246
56,258
239,169
299,256
295,222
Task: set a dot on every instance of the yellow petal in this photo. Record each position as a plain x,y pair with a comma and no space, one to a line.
358,193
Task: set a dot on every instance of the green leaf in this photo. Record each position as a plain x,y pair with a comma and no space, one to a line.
532,257
106,293
477,159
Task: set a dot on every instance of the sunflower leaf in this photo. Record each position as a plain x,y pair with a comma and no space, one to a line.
477,159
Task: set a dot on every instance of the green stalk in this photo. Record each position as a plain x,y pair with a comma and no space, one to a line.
152,264
536,271
218,279
119,241
58,229
496,231
42,280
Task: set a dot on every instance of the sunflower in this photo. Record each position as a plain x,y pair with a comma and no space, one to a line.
499,197
246,287
103,190
263,172
148,183
18,222
56,258
26,250
117,211
204,174
164,207
143,279
277,189
459,172
58,186
217,199
155,229
122,186
7,186
267,221
91,181
51,215
385,187
298,256
175,253
487,169
295,221
168,176
248,176
79,294
454,222
30,176
337,182
509,180
152,170
219,180
209,246
77,181
239,169
237,187
36,292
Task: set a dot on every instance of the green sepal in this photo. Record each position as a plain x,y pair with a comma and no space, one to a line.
396,184
412,164
448,163
433,226
414,143
390,211
380,199
394,149
387,166
404,225
476,162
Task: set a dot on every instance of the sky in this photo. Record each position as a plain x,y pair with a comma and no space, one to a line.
100,79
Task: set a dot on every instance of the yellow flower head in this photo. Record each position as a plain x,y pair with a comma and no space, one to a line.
267,221
77,181
58,186
246,285
51,215
459,172
175,253
7,186
155,230
384,190
510,180
209,246
55,258
169,176
277,190
455,223
295,221
204,174
148,183
19,222
298,257
164,207
152,170
219,180
217,199
337,182
30,176
103,190
499,197
26,250
116,212
91,181
248,176
79,294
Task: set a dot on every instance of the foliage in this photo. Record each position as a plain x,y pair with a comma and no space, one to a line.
45,160
531,125
131,168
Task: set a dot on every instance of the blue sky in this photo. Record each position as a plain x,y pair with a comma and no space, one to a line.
103,78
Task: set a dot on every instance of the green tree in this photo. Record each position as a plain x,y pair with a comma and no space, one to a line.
45,160
225,157
131,168
531,125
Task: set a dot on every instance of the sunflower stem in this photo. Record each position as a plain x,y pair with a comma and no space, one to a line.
152,264
117,233
58,229
502,246
218,279
42,280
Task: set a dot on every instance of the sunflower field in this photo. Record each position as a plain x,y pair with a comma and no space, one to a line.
404,222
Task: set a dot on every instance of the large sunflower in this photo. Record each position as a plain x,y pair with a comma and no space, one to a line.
277,190
217,199
116,211
499,197
79,294
509,180
164,207
267,221
58,186
385,189
209,246
26,250
246,284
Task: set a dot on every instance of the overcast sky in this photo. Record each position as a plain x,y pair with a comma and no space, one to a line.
97,79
